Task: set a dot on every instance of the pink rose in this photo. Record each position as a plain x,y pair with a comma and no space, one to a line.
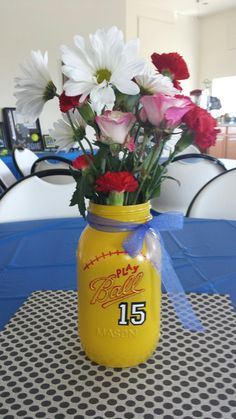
161,108
115,125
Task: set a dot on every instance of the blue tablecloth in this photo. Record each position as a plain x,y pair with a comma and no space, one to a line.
9,161
40,255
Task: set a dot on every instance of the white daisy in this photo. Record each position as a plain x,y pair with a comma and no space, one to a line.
97,68
35,87
65,134
151,83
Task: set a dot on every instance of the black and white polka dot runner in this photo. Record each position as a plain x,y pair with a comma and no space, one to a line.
45,374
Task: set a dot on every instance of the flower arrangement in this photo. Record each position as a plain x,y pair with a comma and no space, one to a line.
132,109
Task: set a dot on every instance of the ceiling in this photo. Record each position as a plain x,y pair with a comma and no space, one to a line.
197,7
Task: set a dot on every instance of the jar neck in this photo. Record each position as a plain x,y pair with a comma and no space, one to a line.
129,213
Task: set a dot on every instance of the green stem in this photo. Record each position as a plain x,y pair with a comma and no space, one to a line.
115,198
89,144
126,198
80,143
154,180
137,132
151,163
144,143
157,180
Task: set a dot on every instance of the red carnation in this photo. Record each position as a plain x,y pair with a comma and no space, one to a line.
68,102
82,162
171,65
207,140
116,182
203,124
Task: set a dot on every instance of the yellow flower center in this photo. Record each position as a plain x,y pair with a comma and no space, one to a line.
103,74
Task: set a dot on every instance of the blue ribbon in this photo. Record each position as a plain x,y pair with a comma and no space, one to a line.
150,232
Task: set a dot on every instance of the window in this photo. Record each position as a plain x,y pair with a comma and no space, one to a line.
224,88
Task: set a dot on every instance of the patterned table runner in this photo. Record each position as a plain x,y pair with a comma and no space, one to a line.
44,372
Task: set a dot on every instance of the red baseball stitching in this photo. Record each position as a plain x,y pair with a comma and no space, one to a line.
103,256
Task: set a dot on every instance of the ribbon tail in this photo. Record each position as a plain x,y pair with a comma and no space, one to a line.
177,295
134,242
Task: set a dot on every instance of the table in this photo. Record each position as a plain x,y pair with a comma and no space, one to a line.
40,255
9,162
45,374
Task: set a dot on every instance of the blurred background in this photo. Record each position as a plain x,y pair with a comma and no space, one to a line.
202,31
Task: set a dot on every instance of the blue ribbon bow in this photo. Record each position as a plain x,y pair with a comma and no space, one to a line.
150,232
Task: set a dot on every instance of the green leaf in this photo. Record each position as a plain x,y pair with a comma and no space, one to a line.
147,160
129,162
186,139
114,164
81,198
78,197
101,157
156,192
77,174
75,197
88,184
126,103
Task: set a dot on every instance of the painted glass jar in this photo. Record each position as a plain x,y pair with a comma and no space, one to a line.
119,297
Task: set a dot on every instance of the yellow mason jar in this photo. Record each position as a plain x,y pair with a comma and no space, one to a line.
119,297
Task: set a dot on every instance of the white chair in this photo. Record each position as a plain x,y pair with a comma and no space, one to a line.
192,171
26,161
58,163
2,187
228,163
190,149
216,199
33,198
6,176
23,159
50,162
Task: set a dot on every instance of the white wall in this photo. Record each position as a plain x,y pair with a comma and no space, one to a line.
45,25
161,31
217,46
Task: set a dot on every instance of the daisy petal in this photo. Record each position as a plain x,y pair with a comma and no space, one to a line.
34,87
95,68
128,87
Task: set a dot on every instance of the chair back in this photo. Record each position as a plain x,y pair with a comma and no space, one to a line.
33,198
6,176
23,159
190,149
216,199
2,187
191,172
50,162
